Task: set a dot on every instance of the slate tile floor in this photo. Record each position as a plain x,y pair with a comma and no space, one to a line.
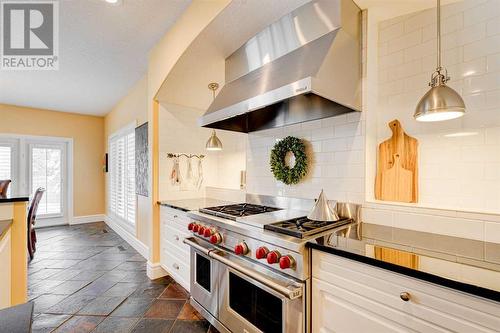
86,278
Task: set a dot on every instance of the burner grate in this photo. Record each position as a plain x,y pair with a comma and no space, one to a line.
238,210
303,227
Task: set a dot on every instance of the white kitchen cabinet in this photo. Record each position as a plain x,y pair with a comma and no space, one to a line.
349,296
174,254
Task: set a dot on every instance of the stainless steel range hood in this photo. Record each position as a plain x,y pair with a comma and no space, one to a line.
305,66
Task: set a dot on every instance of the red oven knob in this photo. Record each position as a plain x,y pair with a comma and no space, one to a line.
191,225
201,230
208,232
287,262
241,249
273,257
261,252
216,238
196,227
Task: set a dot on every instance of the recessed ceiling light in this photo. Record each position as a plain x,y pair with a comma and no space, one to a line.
114,2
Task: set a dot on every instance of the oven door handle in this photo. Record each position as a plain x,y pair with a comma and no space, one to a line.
290,292
192,242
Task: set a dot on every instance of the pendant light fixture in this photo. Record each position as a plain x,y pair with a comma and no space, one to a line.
213,142
440,102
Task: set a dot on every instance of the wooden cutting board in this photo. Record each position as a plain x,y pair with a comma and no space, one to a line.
406,148
397,182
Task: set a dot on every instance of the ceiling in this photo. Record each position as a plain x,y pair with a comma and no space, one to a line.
103,51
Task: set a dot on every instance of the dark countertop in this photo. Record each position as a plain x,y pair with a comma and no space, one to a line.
193,204
466,265
4,225
17,198
17,319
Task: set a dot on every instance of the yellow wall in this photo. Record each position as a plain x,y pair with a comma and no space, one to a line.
88,149
162,59
132,108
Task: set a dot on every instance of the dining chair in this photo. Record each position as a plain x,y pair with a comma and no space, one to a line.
4,187
31,221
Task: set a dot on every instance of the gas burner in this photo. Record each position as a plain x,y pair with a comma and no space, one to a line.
303,227
237,210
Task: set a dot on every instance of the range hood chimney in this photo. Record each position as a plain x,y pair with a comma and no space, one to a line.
305,66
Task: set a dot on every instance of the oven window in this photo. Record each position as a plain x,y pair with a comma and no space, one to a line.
203,272
259,307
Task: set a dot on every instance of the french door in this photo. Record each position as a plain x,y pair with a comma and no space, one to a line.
47,168
33,162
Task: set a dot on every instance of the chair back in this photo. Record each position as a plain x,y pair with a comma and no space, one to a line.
34,205
4,186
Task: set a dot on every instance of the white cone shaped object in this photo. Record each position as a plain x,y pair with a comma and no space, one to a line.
322,210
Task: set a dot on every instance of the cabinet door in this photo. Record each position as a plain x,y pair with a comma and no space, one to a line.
335,309
431,308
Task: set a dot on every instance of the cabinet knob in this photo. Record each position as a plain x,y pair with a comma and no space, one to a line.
175,216
405,296
175,266
176,237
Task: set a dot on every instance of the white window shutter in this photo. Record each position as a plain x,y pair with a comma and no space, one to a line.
122,176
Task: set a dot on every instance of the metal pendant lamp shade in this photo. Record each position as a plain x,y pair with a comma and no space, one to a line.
440,102
322,210
213,142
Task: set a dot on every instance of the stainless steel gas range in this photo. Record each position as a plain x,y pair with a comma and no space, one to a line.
250,269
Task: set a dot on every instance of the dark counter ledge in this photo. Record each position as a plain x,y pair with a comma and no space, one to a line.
13,199
436,279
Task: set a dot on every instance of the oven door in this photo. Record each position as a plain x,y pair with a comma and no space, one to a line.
204,274
255,299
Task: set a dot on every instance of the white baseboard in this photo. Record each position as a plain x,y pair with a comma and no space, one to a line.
88,219
155,271
128,237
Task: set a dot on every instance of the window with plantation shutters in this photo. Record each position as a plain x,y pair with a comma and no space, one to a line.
5,163
121,150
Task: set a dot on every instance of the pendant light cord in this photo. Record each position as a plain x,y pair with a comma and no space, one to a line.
438,35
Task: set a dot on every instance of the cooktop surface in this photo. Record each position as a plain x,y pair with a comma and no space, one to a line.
302,226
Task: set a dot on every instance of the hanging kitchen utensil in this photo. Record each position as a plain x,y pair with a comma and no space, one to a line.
175,175
406,147
322,210
189,174
200,173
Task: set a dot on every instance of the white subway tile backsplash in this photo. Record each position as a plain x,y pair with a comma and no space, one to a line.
323,133
391,32
475,84
483,47
349,129
419,51
482,12
492,232
459,171
493,62
405,41
493,27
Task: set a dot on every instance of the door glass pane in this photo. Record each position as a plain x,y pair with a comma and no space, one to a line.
257,306
47,173
5,164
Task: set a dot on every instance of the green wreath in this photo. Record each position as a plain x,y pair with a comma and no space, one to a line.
279,168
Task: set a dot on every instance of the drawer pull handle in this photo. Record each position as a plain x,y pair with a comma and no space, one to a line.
175,216
175,266
405,296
